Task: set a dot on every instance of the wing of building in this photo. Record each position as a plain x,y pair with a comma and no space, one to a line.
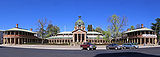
78,35
19,36
141,36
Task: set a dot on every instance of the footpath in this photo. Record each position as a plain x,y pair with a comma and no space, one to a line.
63,47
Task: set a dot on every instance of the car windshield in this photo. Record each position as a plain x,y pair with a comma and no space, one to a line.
126,44
90,43
112,44
87,43
134,43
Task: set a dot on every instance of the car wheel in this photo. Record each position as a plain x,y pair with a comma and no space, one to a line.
94,48
124,47
82,48
88,48
107,48
116,48
135,48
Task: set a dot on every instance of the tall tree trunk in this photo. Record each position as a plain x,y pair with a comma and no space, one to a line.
42,41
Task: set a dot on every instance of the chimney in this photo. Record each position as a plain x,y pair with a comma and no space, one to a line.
141,25
31,29
16,25
128,29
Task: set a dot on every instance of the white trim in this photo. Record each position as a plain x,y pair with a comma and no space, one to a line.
18,29
141,29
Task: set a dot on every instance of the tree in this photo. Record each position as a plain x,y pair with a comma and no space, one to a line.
41,28
117,25
156,28
132,28
90,28
52,30
138,26
107,34
98,29
56,30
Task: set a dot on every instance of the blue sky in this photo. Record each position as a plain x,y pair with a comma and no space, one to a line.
64,13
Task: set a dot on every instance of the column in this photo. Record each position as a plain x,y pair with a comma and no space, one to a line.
4,41
70,41
10,40
49,41
134,40
152,40
81,38
84,37
73,37
140,40
56,40
77,37
18,40
137,41
7,40
64,40
155,40
14,40
149,40
144,40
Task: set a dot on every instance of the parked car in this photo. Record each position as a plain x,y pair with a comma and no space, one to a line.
130,45
114,46
88,46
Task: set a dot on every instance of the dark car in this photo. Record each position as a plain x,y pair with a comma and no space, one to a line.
130,45
114,46
88,46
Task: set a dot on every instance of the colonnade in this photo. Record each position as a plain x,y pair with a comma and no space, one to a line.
51,41
97,41
20,40
140,41
61,41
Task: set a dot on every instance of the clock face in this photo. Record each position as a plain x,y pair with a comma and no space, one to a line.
79,23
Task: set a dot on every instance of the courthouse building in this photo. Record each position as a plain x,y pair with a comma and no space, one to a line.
78,35
141,36
19,36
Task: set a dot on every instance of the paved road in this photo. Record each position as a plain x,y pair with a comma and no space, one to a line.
22,52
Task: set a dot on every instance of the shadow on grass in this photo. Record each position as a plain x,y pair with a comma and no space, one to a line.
125,54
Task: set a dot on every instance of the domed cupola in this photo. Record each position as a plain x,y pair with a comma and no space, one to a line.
79,24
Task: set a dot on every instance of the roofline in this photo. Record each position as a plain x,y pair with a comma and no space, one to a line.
138,30
21,30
